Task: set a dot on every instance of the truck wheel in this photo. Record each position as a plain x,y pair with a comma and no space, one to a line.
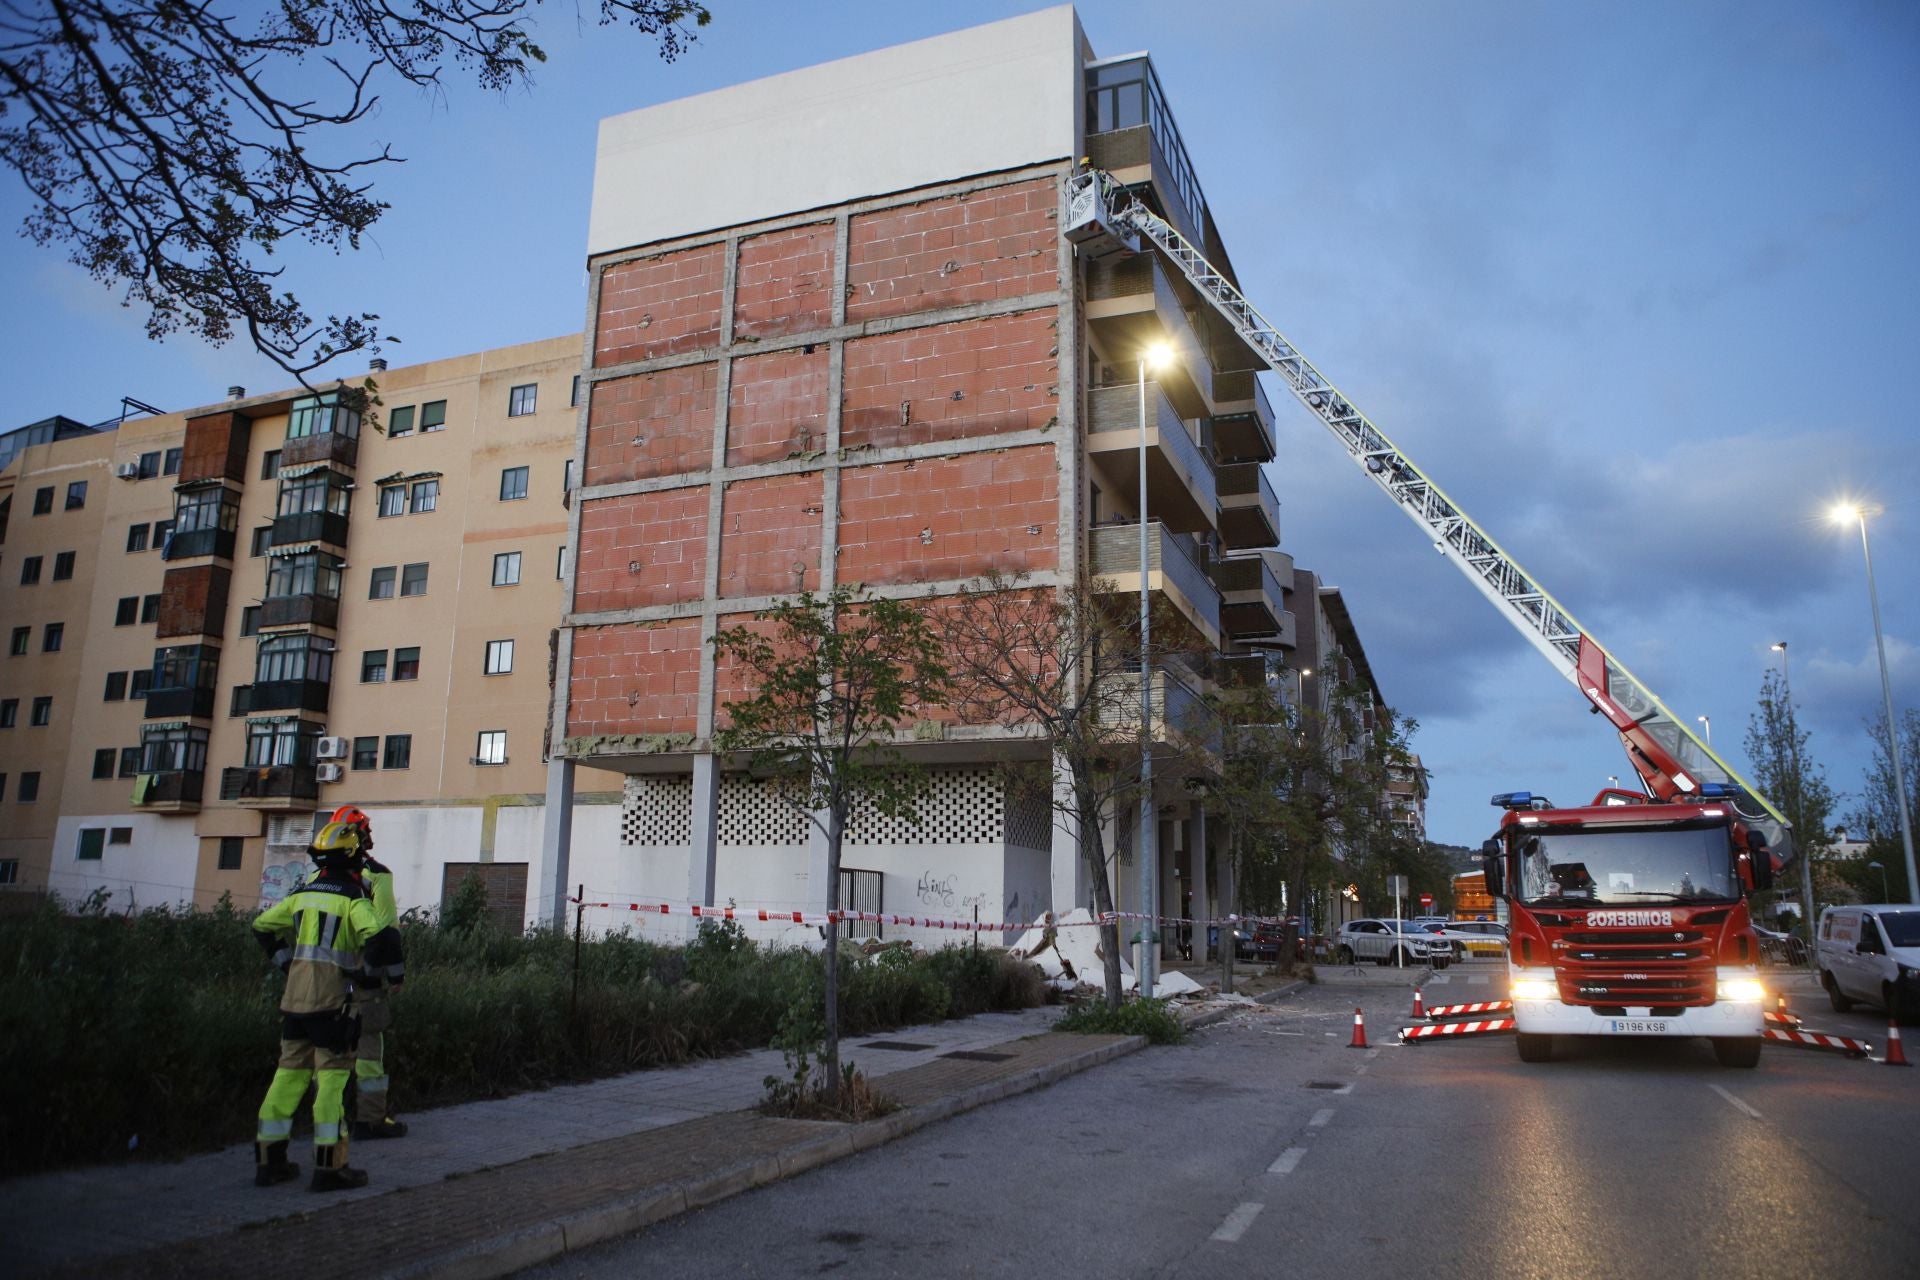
1346,955
1737,1051
1534,1048
1840,1003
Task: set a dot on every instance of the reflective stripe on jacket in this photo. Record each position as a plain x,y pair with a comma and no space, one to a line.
325,932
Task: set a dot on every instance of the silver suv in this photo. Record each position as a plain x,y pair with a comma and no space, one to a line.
1391,942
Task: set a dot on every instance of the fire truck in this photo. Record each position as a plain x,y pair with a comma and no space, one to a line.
1627,916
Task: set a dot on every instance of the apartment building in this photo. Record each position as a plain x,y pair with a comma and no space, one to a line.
227,620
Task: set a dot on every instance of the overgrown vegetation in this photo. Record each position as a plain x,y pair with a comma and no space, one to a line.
156,1033
1154,1019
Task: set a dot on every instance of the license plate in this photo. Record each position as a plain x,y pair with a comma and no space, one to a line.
1639,1026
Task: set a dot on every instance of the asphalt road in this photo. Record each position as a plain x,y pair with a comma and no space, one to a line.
1266,1146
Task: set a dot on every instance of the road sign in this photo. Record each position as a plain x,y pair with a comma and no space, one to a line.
1426,900
1397,886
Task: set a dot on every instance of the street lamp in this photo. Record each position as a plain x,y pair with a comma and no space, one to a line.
1803,854
1300,675
1150,358
1706,724
1881,868
1849,513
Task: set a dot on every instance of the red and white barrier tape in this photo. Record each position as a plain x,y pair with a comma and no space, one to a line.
1457,1029
764,916
1455,1010
1820,1040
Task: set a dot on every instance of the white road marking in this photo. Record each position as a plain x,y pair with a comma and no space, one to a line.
1439,979
1477,980
1360,1070
1738,1105
1288,1158
1373,1052
1237,1222
1321,1118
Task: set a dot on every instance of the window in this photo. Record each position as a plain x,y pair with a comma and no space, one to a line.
51,638
231,848
413,580
116,690
573,397
322,415
138,682
366,753
149,465
393,500
93,840
150,607
520,400
29,787
17,645
127,611
76,495
63,567
9,867
280,742
399,752
566,477
104,759
424,496
42,504
506,569
400,421
499,657
137,537
162,530
119,835
129,761
380,584
179,749
513,484
9,712
406,663
560,563
42,714
172,467
270,465
262,541
3,796
297,655
310,573
373,666
491,747
30,570
433,416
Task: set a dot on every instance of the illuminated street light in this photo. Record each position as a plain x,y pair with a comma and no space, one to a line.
1152,357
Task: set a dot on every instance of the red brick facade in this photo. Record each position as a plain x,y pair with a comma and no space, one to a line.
660,306
783,283
652,424
777,407
953,517
999,243
770,535
951,381
642,677
642,551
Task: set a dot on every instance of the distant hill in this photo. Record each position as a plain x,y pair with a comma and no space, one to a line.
1458,856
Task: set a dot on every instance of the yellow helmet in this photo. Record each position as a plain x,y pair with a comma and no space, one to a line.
336,844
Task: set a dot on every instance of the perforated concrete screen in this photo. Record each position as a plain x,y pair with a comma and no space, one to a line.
657,811
752,812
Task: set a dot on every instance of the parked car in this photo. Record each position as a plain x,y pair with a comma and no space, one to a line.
1260,940
1482,937
1871,953
1390,942
1781,948
1457,942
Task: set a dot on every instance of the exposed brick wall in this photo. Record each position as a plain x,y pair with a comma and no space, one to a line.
193,602
783,282
998,243
732,679
215,447
660,306
951,381
653,424
635,678
647,549
950,517
770,535
777,406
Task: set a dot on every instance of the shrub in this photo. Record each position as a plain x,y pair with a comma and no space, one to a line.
1153,1019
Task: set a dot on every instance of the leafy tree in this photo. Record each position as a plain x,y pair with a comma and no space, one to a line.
176,148
1878,812
837,678
1787,774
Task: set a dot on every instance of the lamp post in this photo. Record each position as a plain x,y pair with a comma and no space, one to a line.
1882,869
1150,358
1706,726
1300,675
1804,852
1848,513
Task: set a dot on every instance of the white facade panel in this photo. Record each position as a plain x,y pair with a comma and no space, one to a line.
155,868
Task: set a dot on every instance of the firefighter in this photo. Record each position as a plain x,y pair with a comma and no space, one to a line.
321,935
372,1115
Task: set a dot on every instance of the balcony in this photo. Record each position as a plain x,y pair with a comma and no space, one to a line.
280,695
310,526
1173,572
1249,511
199,542
1252,603
1133,305
275,786
1242,419
169,791
327,446
306,610
1180,714
1180,481
172,704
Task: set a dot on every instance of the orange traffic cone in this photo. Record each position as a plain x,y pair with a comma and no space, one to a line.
1419,1005
1896,1056
1359,1030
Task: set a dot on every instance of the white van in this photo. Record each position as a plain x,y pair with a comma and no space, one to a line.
1871,953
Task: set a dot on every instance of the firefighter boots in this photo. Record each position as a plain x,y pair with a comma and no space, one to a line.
384,1127
271,1166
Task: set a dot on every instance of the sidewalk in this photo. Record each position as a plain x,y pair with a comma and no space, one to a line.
486,1188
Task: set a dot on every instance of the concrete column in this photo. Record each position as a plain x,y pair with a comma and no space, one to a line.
1202,883
702,856
556,842
1071,886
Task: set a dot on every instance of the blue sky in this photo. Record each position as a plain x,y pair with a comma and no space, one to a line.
1636,283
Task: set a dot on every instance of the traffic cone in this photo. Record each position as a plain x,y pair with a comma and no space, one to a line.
1896,1056
1419,1005
1359,1030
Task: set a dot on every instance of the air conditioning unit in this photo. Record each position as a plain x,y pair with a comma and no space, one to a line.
329,772
332,749
128,471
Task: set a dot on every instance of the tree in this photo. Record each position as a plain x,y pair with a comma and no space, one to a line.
177,150
1878,812
837,678
1787,774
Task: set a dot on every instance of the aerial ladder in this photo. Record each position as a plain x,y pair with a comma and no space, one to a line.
1105,218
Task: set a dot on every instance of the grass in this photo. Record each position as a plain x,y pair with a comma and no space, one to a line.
1153,1019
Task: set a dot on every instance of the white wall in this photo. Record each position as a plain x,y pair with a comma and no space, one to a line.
155,869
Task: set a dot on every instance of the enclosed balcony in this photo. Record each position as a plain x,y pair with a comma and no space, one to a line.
1132,135
292,672
183,682
1252,603
280,695
1133,305
1174,575
170,791
1180,483
303,588
173,762
1242,419
321,429
1249,510
205,517
280,786
313,506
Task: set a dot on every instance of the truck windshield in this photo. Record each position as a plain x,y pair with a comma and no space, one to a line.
1626,866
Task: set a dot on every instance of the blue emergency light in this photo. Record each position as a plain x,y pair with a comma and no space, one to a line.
1513,800
1719,791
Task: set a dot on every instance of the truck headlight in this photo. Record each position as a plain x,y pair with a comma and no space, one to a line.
1533,984
1744,989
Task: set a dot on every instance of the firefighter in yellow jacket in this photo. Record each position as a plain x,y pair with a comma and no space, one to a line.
372,1115
321,935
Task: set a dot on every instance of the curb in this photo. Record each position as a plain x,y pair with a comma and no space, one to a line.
1208,1017
529,1246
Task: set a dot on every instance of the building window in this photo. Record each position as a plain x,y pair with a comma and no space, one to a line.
93,841
297,655
310,573
366,753
380,584
513,484
400,422
162,530
150,607
138,682
566,478
43,500
3,796
373,666
406,663
491,747
520,400
573,397
413,580
51,638
76,495
21,638
424,496
104,758
283,742
9,712
231,848
270,465
127,611
42,714
393,500
119,835
172,467
499,657
149,465
29,787
9,867
137,537
63,566
560,563
506,569
322,415
116,690
433,416
262,541
129,761
30,570
399,752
